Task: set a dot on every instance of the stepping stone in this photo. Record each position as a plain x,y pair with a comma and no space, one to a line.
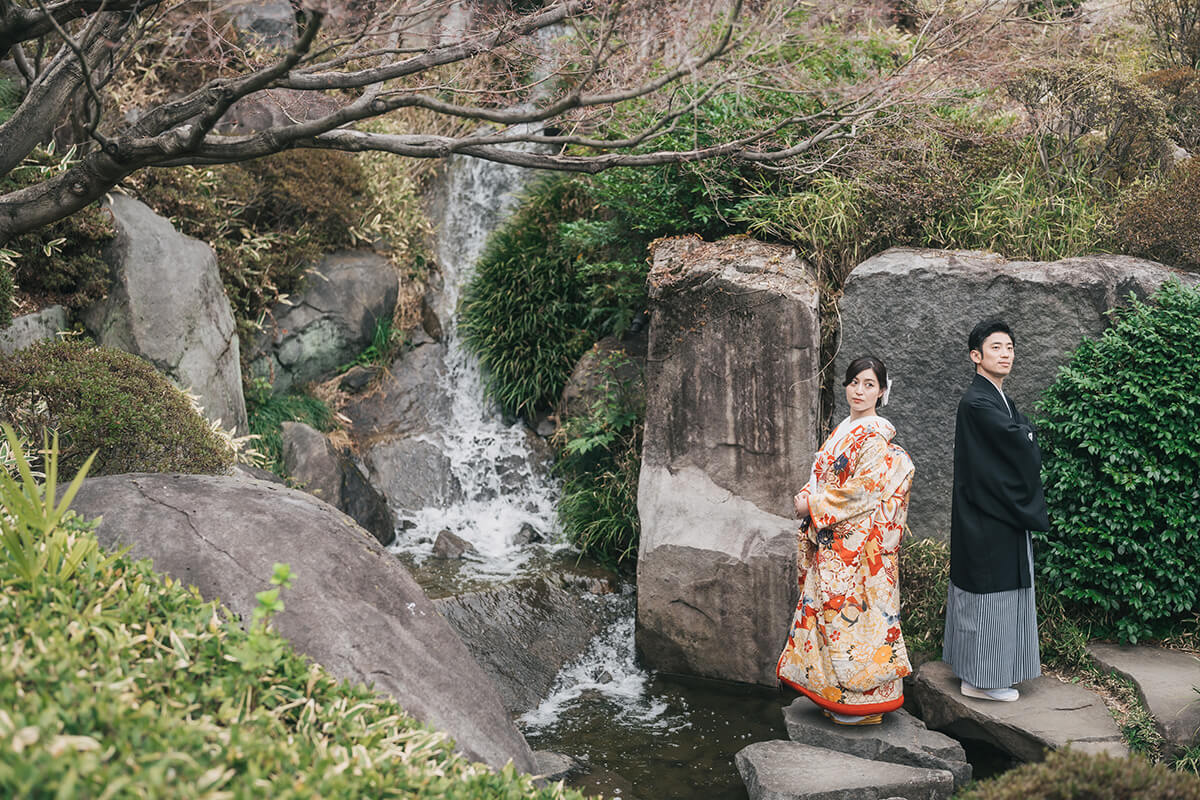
900,739
780,770
1167,681
1050,715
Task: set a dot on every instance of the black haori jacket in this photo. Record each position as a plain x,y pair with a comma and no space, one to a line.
997,493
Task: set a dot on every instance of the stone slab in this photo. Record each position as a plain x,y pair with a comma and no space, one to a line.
1050,715
30,328
900,739
780,770
1168,682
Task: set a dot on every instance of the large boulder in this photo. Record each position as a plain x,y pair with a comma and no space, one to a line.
354,609
335,477
168,306
330,322
29,328
731,423
524,632
915,308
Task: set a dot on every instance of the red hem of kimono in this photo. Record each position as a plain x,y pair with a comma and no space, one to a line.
842,708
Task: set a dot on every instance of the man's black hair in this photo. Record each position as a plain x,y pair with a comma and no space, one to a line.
985,329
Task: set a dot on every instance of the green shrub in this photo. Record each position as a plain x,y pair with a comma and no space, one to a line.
523,313
117,682
1180,89
1159,222
1174,29
7,285
924,581
104,400
599,462
267,412
1072,775
1121,454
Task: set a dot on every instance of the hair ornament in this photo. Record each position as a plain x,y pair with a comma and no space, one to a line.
887,392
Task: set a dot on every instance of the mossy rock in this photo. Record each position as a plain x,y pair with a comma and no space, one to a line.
104,400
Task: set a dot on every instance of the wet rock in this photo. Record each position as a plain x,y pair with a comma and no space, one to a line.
413,473
409,400
1051,306
357,378
324,471
330,322
728,441
556,766
1050,715
528,535
1166,680
168,306
354,609
30,328
900,739
779,770
448,545
523,633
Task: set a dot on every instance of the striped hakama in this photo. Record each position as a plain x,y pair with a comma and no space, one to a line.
992,639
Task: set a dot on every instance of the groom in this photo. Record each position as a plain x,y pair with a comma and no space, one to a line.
991,623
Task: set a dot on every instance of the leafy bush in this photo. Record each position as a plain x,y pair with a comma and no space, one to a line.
1159,222
599,462
1121,454
1072,775
119,682
523,312
1180,89
104,400
266,413
924,581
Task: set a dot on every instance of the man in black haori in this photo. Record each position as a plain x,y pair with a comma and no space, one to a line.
991,623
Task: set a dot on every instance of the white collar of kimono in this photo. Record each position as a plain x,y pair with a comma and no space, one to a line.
873,420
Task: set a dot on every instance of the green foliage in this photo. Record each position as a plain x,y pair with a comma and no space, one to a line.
59,262
523,313
269,220
1159,221
1189,760
7,262
1179,88
117,682
1074,775
599,461
1121,452
108,402
386,343
924,581
266,413
10,98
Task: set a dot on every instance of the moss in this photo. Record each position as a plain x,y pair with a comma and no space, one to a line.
1070,775
101,399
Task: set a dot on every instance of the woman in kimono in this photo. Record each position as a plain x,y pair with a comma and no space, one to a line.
844,649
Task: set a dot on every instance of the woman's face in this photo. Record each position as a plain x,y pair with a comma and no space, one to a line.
863,393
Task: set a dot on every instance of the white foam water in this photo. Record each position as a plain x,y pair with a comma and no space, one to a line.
609,671
502,493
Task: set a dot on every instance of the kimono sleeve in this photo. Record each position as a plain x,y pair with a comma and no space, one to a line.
1005,467
832,504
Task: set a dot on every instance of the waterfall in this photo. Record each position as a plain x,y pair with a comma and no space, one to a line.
503,491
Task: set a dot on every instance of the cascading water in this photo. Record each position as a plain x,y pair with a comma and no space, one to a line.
502,491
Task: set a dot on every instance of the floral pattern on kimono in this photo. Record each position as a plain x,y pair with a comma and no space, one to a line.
845,650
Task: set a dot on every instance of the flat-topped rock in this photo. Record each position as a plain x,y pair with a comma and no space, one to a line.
1166,680
900,739
1050,715
779,770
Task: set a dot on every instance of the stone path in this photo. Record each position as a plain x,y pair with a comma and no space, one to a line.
1050,715
780,770
1169,684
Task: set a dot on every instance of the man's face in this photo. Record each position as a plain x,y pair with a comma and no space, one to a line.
994,358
